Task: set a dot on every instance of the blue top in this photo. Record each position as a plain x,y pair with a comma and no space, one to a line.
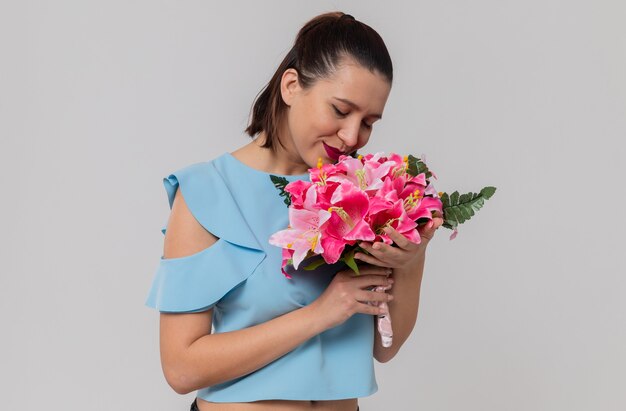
239,277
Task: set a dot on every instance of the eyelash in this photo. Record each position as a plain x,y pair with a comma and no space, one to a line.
343,115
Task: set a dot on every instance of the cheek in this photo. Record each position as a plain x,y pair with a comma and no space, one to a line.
325,123
313,123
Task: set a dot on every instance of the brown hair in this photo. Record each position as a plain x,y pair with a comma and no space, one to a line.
318,50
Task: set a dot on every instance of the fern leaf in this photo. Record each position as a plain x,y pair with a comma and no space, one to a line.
458,209
454,198
487,192
445,200
417,166
280,183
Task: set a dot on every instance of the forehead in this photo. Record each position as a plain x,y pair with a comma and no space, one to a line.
369,90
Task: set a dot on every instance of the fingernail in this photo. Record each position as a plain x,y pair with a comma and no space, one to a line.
430,224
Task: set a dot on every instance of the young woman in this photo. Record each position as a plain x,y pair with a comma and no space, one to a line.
283,344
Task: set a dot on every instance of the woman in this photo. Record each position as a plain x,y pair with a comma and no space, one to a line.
282,344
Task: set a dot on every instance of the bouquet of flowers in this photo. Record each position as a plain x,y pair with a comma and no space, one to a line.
353,200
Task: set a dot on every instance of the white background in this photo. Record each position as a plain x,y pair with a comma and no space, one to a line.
99,101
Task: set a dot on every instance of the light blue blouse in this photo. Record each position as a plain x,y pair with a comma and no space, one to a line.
239,277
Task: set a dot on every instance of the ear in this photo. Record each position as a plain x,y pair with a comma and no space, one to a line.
289,85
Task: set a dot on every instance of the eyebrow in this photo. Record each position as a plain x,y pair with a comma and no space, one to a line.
351,104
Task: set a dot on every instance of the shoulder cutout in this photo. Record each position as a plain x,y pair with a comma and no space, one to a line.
209,199
198,281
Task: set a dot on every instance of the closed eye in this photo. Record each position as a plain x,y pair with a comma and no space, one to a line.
339,113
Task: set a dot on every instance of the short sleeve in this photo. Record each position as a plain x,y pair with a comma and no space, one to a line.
197,282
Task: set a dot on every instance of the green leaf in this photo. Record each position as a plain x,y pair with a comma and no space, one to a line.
445,200
458,209
417,166
280,183
466,212
447,224
454,198
455,215
349,260
316,263
487,192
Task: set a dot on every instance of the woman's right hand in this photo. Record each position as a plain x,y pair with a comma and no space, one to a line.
348,294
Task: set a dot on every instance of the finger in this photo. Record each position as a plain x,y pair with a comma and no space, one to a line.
374,296
370,282
370,259
370,309
428,229
380,250
425,236
398,238
438,222
386,253
374,270
368,270
433,226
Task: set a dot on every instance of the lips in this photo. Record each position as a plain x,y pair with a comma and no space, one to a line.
332,152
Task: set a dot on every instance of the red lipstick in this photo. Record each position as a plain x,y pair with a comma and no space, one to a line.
332,152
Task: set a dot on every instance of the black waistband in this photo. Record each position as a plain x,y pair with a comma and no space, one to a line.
194,406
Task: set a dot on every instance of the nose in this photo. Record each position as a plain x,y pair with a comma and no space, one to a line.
349,134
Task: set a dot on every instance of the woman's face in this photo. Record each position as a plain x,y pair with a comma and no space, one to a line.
323,114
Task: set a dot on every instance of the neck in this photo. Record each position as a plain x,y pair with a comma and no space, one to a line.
276,161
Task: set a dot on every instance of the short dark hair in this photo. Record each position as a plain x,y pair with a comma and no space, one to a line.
319,48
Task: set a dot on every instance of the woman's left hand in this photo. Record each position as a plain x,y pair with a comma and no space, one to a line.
385,255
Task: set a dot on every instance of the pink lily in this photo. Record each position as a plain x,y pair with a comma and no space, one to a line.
367,176
391,213
349,206
298,189
304,233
